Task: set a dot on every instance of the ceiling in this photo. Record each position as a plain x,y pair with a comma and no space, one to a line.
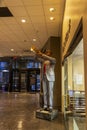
19,36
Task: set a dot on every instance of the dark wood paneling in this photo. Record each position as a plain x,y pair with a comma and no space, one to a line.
54,45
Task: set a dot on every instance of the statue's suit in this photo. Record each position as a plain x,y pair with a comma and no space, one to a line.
48,78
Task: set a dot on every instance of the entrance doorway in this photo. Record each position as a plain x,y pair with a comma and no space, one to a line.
4,80
26,80
23,81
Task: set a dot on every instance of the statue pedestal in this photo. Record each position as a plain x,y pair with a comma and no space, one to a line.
42,114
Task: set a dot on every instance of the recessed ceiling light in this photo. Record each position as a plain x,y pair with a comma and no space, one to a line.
12,49
23,20
51,9
51,18
34,40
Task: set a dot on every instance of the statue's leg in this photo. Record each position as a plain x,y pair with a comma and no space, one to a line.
45,92
51,84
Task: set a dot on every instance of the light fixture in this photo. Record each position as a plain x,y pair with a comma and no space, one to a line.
12,49
34,40
51,9
23,20
51,18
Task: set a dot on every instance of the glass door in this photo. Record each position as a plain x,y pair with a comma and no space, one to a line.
15,81
23,77
34,80
79,105
4,80
74,89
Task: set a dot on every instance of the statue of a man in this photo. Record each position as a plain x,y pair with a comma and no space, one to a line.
48,78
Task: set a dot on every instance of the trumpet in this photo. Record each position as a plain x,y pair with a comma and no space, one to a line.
35,50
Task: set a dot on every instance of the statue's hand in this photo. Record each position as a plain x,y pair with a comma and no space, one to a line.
33,49
38,52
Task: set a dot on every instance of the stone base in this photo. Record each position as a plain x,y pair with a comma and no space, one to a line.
42,114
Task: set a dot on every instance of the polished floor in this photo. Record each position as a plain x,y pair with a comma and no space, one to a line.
17,112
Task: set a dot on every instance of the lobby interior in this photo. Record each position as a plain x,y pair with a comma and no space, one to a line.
44,24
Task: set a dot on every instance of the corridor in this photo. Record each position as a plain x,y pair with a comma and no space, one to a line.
17,112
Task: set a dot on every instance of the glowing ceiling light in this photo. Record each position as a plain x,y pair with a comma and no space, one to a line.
23,20
34,40
51,18
12,49
51,9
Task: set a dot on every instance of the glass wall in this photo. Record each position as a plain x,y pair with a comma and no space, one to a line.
4,76
74,90
19,74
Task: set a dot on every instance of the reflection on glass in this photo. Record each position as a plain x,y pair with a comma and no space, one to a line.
75,89
4,65
15,83
4,80
78,80
20,123
34,80
32,64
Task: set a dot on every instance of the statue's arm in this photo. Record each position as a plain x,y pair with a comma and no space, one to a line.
52,59
41,56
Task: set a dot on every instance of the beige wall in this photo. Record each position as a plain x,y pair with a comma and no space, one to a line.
75,10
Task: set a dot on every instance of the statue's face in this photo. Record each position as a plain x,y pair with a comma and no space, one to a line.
47,62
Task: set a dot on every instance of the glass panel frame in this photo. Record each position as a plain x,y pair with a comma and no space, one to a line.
74,108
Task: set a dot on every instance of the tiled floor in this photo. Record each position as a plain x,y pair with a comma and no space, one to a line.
17,112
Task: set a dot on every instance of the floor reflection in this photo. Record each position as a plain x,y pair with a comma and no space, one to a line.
75,123
17,112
